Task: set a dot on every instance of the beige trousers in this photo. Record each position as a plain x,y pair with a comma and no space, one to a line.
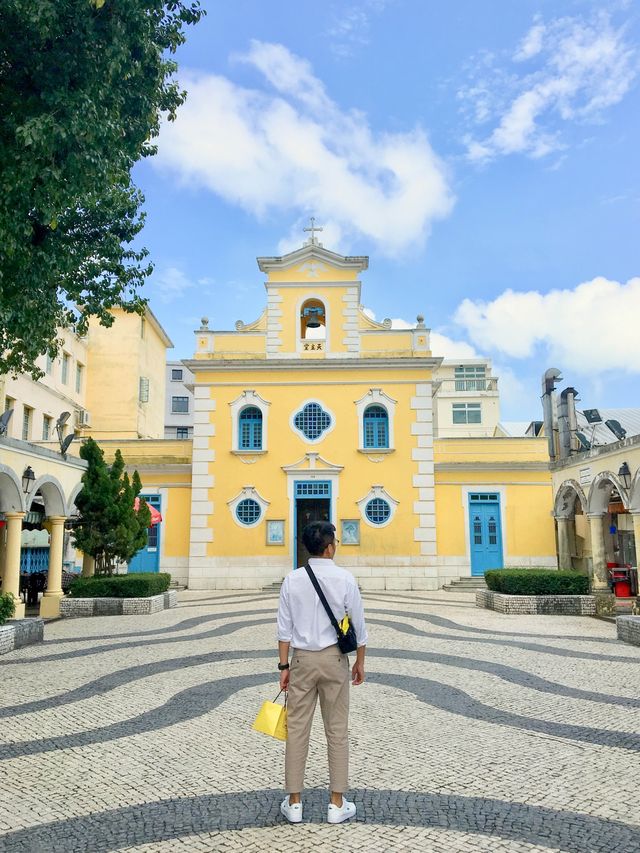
323,674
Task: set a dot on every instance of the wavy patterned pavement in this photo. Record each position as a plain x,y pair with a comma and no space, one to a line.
473,732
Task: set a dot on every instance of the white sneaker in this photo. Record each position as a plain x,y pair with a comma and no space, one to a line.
292,811
337,814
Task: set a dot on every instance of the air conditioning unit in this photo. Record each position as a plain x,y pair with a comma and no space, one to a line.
83,418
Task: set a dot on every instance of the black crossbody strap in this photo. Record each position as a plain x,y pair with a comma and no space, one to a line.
321,596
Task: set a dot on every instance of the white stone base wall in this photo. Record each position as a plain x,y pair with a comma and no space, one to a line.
177,567
372,572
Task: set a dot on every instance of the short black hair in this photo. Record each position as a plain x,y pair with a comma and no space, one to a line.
317,535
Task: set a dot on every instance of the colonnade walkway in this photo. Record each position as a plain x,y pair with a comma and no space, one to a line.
473,732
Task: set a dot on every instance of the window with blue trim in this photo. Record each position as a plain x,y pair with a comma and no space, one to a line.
248,511
376,427
250,429
312,421
377,511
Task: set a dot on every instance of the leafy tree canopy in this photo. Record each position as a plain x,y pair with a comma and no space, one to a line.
109,529
83,85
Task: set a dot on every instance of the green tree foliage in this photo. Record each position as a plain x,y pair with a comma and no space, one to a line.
110,530
83,85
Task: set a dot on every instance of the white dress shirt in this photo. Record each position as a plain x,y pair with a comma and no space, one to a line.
303,621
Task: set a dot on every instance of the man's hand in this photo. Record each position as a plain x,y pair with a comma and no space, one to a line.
357,673
284,679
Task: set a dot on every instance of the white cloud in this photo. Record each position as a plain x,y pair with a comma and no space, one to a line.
590,329
351,24
531,44
295,151
442,346
170,284
582,68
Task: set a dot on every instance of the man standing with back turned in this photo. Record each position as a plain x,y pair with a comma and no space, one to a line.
318,668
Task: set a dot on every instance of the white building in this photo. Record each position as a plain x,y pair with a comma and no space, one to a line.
467,402
178,421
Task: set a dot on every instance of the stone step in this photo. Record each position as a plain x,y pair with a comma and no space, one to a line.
465,584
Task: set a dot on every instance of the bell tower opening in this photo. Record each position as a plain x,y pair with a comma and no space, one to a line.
313,318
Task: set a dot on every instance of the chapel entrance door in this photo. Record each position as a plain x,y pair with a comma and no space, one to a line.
485,533
313,503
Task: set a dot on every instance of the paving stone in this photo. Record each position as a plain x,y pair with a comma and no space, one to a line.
474,731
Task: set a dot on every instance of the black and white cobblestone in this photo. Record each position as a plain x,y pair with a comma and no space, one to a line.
121,735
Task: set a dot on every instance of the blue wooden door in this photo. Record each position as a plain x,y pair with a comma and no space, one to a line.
485,533
148,558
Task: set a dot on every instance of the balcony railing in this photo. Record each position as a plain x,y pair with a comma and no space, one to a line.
470,386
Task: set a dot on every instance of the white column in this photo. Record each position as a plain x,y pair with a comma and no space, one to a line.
598,554
50,604
564,542
11,580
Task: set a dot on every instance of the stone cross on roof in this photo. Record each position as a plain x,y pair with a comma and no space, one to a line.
313,228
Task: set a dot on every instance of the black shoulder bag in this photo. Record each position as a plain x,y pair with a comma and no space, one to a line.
347,642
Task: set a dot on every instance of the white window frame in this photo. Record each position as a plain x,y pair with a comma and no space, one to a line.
377,491
248,398
180,397
251,493
466,412
299,433
376,397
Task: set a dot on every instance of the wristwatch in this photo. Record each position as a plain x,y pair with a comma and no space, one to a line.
282,666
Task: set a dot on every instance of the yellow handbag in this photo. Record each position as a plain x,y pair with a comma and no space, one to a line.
272,719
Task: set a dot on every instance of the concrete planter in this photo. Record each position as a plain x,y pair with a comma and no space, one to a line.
21,632
547,605
71,608
628,629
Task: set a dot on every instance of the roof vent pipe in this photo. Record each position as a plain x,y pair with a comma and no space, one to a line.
567,424
549,380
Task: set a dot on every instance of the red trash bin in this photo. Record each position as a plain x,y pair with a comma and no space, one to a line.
621,582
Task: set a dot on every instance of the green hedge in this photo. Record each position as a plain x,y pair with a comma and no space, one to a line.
537,582
7,606
121,586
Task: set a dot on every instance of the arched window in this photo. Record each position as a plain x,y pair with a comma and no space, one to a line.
375,427
250,429
313,320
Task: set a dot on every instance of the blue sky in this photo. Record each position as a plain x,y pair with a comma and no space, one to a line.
483,153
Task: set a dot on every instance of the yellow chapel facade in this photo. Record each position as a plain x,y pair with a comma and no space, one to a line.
316,411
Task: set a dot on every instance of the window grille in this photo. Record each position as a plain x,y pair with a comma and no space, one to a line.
248,511
250,429
144,389
176,374
467,413
26,423
377,511
182,432
376,427
79,372
65,368
313,490
46,428
483,496
312,421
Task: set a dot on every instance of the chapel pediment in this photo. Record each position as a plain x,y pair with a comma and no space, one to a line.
312,463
